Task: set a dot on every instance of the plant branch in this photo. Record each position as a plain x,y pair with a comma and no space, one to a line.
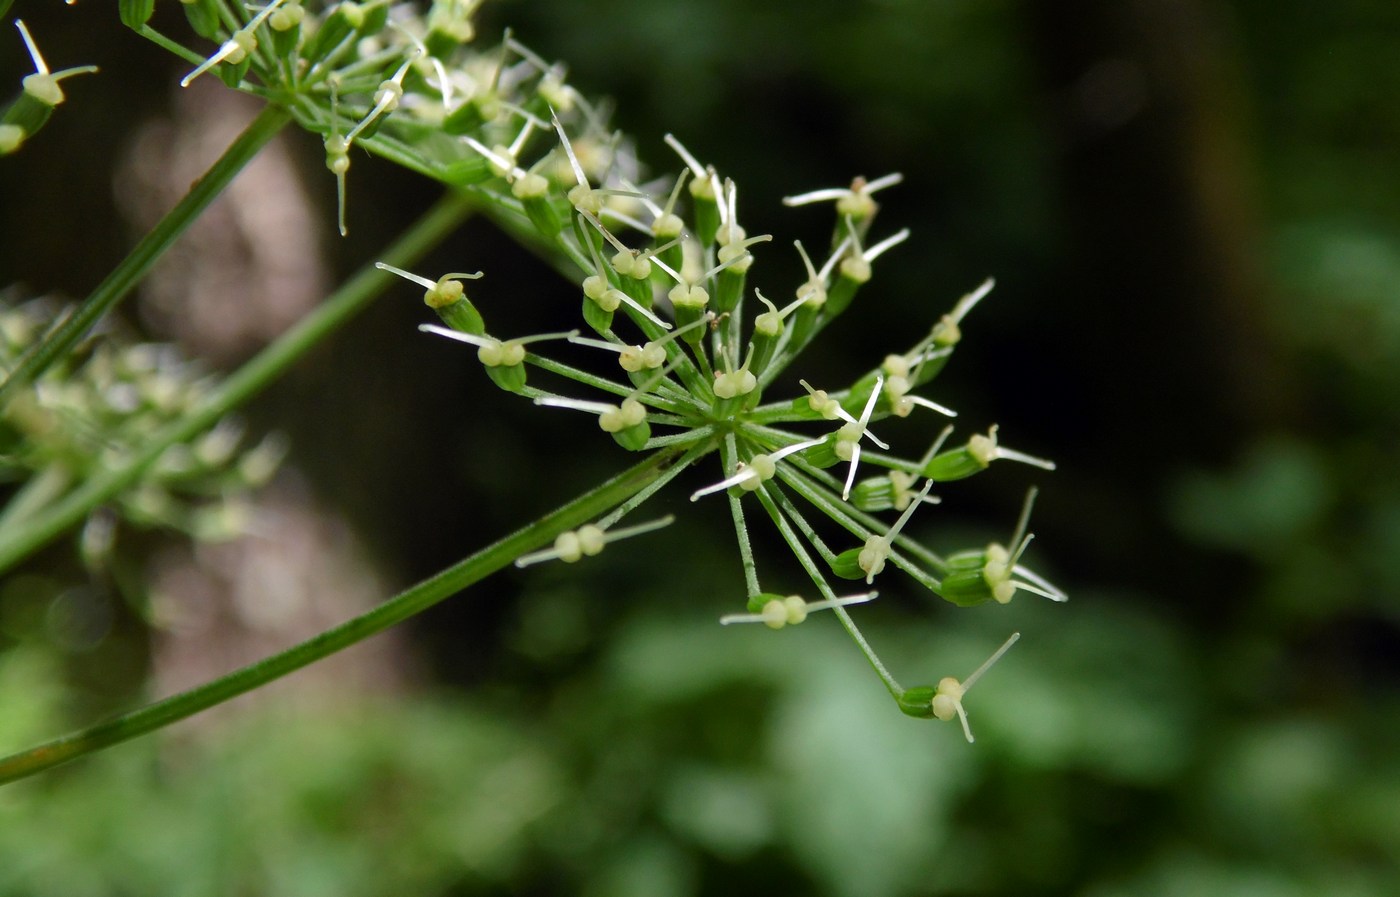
59,341
399,608
39,528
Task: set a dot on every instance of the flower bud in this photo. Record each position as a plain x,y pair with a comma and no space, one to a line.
975,457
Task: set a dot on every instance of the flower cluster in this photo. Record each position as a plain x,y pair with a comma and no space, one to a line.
98,408
664,296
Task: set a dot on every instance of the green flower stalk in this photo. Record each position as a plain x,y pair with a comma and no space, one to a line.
666,281
665,277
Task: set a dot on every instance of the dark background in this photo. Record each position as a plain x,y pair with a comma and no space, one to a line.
1192,211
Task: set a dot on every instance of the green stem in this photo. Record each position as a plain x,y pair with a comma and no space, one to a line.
138,263
169,45
16,543
41,489
736,511
399,608
819,579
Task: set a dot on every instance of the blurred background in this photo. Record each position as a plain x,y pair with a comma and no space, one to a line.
1192,210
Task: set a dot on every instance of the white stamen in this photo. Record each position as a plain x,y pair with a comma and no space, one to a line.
878,249
508,169
691,162
793,610
947,700
588,540
241,40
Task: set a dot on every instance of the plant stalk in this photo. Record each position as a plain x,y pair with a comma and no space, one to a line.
61,340
40,527
399,608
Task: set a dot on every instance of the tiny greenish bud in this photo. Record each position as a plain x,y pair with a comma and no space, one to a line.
898,374
995,573
870,558
821,402
975,457
894,491
917,702
627,423
450,26
40,91
286,30
618,418
338,163
468,171
689,302
758,470
446,297
855,270
976,577
633,269
767,331
533,192
667,226
135,13
235,51
947,699
873,494
847,564
588,540
734,263
633,438
375,18
203,16
846,444
287,17
638,361
555,92
649,356
732,385
812,293
854,202
947,332
777,611
386,100
503,360
704,192
232,73
729,233
600,289
337,27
